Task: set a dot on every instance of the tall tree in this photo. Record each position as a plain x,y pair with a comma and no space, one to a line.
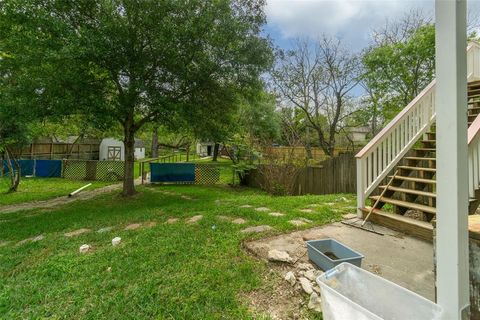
396,71
137,61
317,79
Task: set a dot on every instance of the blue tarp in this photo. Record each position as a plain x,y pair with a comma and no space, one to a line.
172,172
26,167
48,168
43,168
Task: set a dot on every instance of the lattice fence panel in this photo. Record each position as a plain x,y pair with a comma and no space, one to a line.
93,170
206,174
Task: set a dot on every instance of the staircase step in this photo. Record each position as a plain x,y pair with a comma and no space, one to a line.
410,191
419,229
405,204
414,179
421,158
426,149
418,168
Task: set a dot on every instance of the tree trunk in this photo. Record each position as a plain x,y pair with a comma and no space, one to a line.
18,174
308,148
129,152
215,151
155,142
14,174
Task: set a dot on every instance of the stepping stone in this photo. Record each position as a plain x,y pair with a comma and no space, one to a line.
257,229
239,221
76,232
84,248
150,224
297,223
246,206
306,220
349,216
314,205
262,209
195,219
224,218
133,226
4,243
38,238
106,229
172,220
277,255
33,239
276,214
186,197
306,210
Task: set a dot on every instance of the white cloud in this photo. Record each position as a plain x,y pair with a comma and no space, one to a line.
351,20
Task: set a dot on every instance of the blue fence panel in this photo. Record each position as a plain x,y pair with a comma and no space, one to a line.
48,168
38,168
172,172
26,167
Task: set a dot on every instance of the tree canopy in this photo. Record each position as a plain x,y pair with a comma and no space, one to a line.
134,62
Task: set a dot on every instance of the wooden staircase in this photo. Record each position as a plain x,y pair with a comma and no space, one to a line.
409,201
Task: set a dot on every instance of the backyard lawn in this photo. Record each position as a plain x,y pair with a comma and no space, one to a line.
35,189
164,269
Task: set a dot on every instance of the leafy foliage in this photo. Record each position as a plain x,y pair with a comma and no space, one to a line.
134,62
395,72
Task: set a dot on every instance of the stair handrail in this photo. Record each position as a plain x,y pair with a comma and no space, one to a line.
391,144
474,157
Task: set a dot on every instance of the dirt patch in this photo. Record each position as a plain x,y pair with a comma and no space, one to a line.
284,298
393,258
279,300
53,203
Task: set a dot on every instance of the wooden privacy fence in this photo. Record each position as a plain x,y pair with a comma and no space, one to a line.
60,150
335,175
300,152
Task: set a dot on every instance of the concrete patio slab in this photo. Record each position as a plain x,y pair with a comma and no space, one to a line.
404,260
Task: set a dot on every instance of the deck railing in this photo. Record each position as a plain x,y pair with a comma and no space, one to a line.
390,145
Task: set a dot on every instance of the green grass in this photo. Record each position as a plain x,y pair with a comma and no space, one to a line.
169,271
35,189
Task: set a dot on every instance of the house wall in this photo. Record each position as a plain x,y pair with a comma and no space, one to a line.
139,153
474,263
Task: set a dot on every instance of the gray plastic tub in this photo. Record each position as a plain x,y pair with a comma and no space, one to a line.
328,253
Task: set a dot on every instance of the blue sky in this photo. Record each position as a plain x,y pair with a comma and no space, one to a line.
350,20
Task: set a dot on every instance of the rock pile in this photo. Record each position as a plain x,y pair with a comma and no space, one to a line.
306,275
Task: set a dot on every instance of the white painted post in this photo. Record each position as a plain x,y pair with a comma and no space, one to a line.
452,170
360,187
